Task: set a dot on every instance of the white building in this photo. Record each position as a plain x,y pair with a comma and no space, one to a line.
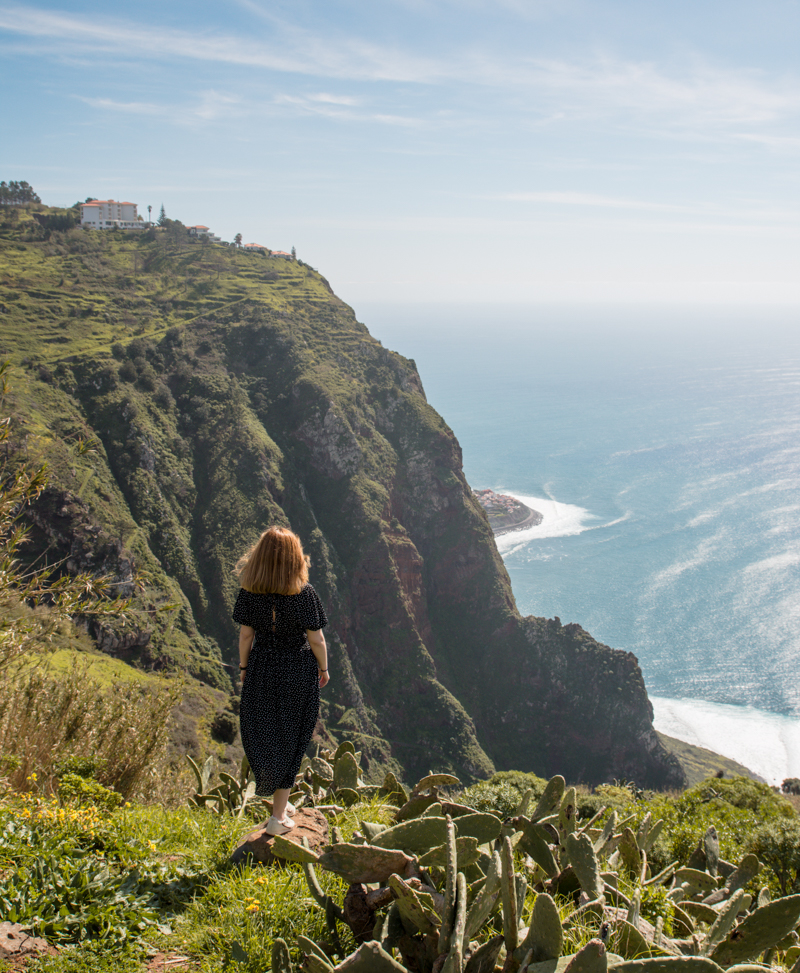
201,230
255,247
103,214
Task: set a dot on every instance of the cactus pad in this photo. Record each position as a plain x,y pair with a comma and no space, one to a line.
394,790
592,958
483,905
584,861
321,768
348,796
435,780
345,772
630,853
313,952
466,854
292,852
415,807
534,842
758,931
668,964
418,835
629,942
370,958
550,801
711,848
415,907
281,963
724,922
371,830
744,873
484,827
568,813
545,936
365,863
696,880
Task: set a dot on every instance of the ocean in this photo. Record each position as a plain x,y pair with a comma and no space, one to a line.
662,446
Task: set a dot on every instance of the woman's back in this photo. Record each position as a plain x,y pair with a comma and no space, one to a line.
280,619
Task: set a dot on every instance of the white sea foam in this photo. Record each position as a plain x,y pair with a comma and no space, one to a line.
767,743
558,520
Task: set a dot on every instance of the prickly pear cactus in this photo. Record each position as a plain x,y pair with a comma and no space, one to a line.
435,887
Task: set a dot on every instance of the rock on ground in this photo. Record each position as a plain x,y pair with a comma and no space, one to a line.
308,823
15,943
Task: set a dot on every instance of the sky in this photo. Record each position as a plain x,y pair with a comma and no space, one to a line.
501,151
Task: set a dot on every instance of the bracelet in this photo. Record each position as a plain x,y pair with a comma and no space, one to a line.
242,668
322,670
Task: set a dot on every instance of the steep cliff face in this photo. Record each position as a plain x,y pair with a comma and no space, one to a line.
258,398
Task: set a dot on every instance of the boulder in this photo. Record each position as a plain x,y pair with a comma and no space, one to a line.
257,845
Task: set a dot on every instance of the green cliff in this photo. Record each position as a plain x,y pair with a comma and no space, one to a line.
185,395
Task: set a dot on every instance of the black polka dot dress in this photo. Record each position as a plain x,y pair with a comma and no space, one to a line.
280,695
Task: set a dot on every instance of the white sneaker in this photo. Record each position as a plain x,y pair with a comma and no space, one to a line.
275,826
290,808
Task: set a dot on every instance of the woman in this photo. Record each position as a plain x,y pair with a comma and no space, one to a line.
283,661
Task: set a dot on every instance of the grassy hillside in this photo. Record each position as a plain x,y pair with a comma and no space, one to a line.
699,763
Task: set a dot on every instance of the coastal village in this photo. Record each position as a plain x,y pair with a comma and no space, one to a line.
497,502
108,214
506,513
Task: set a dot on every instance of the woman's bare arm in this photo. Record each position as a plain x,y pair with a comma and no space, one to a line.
317,642
246,636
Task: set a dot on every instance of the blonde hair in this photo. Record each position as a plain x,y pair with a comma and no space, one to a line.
275,564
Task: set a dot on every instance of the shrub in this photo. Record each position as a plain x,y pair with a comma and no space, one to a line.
74,789
128,372
777,845
502,793
82,766
46,721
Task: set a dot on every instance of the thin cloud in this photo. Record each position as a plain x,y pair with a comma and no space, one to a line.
131,107
341,109
211,105
700,100
327,99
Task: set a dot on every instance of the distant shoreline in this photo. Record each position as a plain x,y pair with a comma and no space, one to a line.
533,519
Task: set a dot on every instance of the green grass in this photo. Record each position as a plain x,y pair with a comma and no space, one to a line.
80,291
699,763
103,669
204,905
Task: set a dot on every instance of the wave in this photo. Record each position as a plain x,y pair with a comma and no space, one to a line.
558,520
766,743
